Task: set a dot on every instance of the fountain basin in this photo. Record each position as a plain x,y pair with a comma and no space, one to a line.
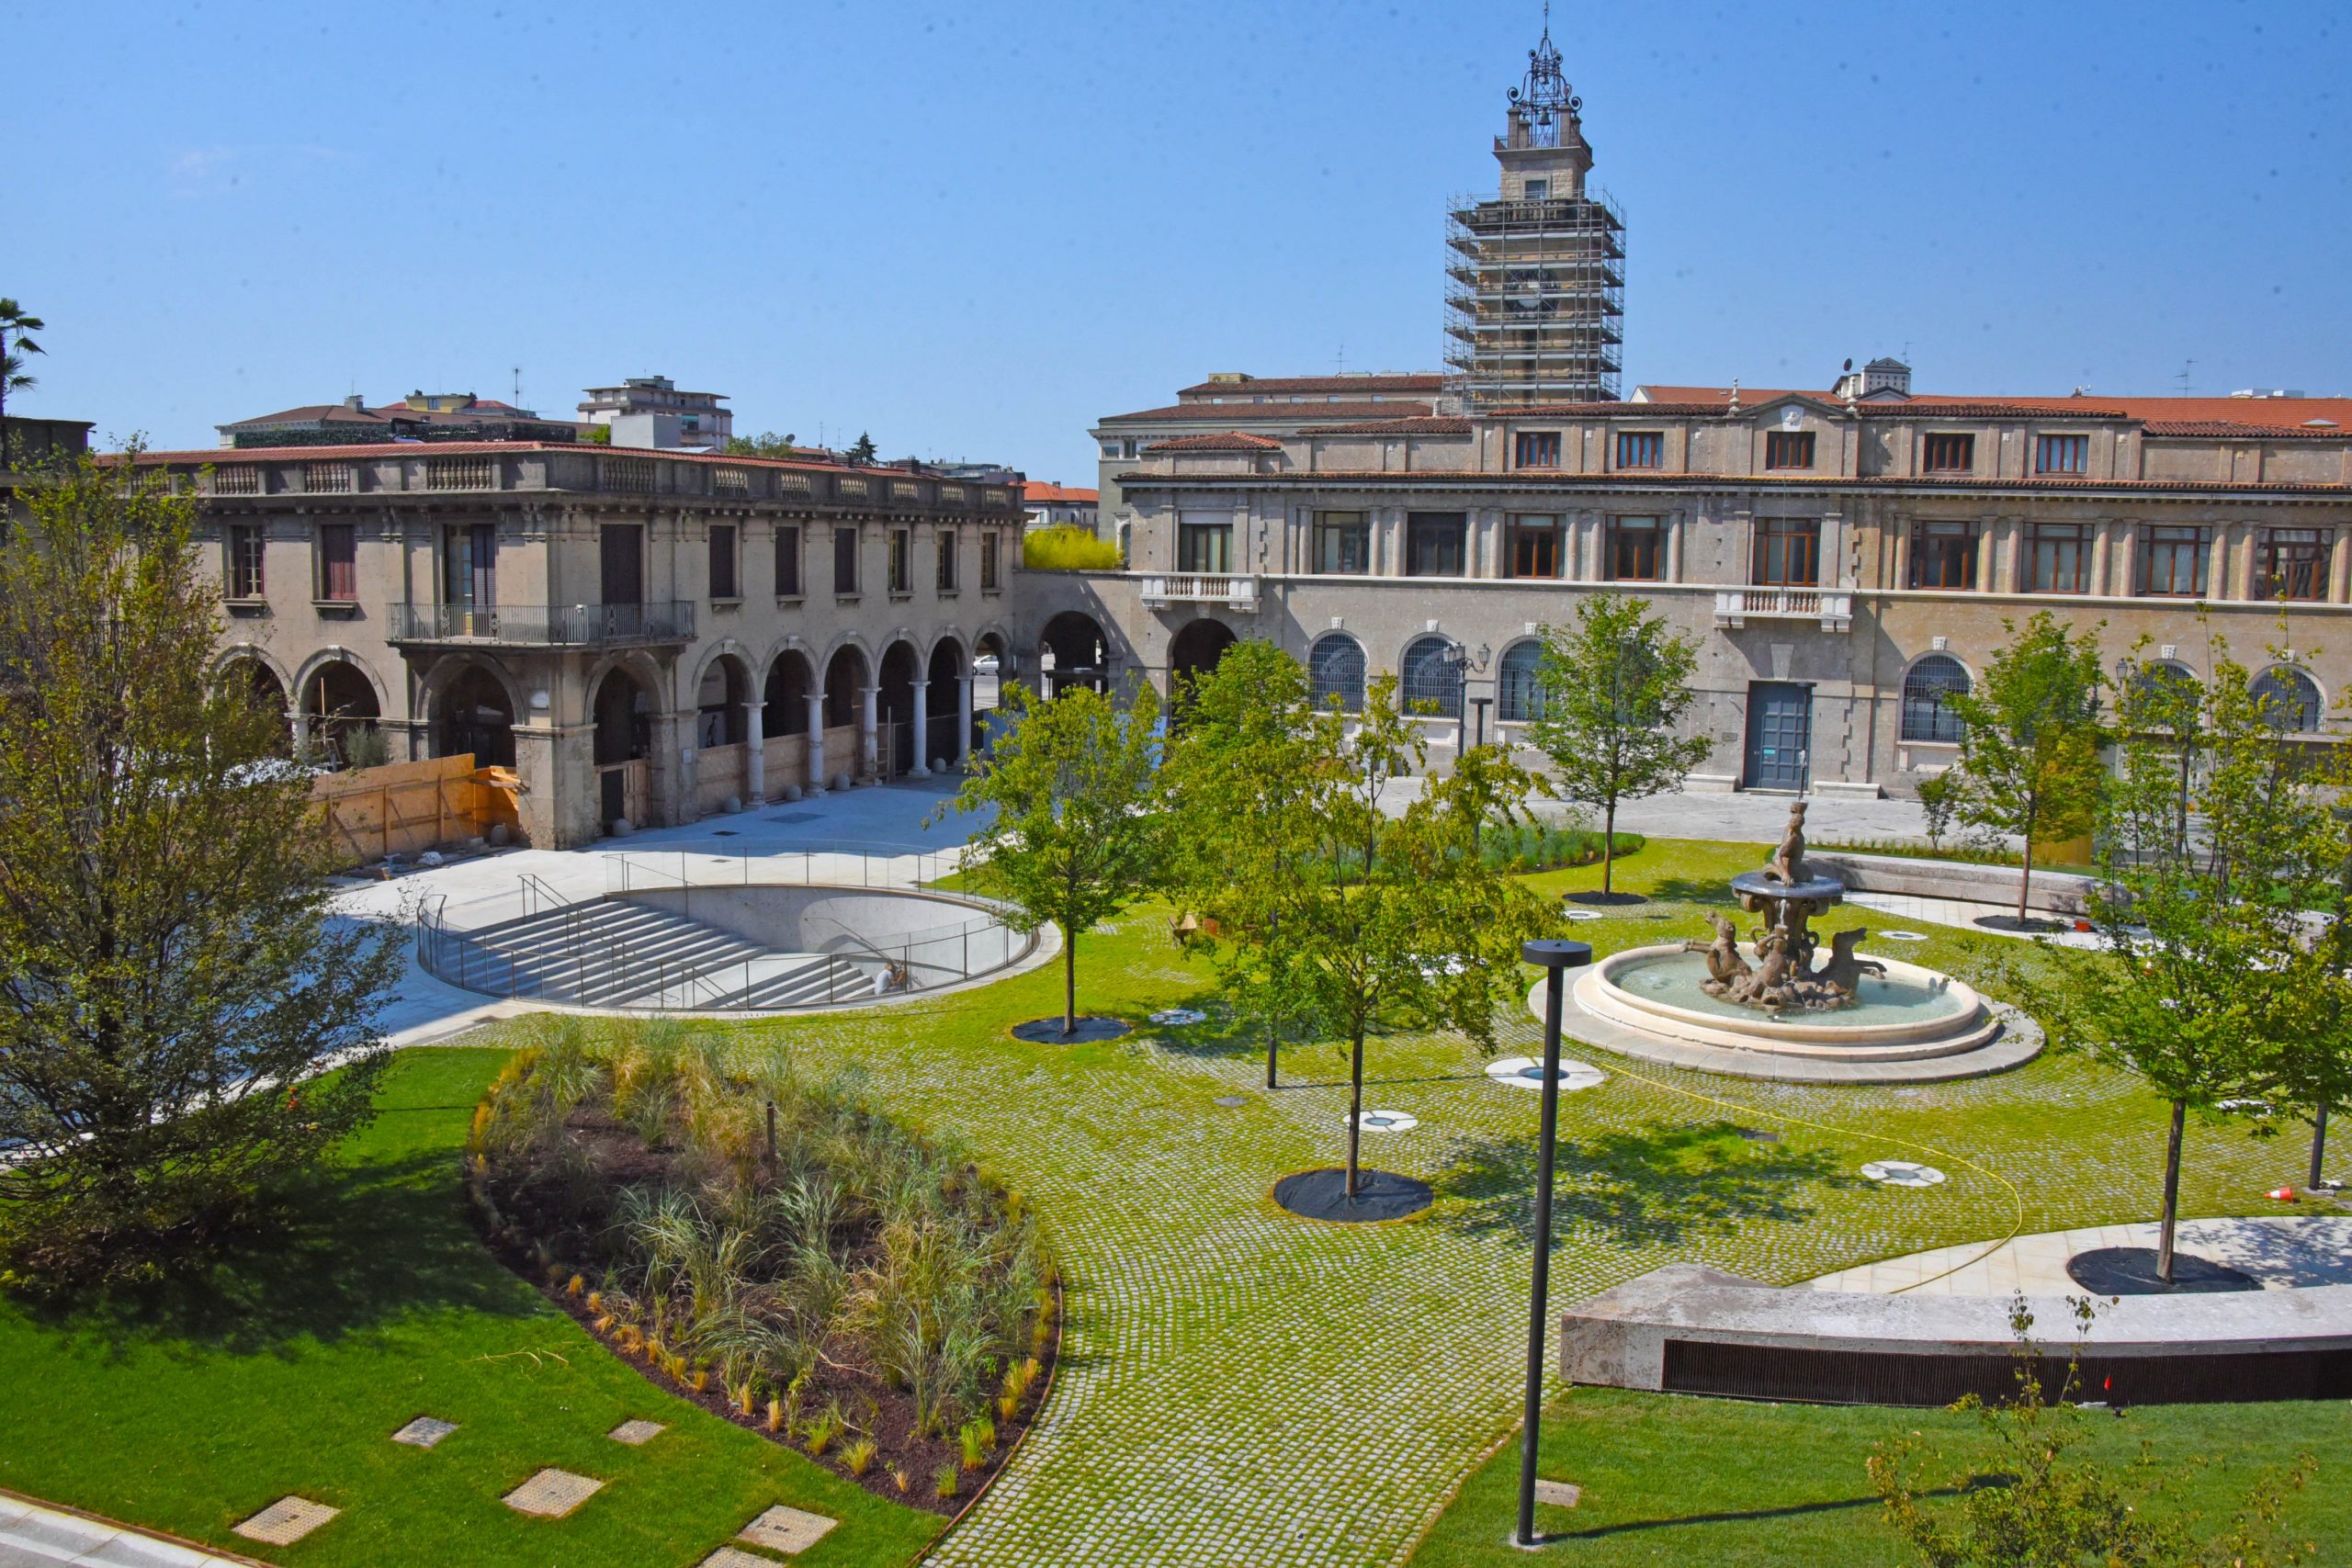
1911,1012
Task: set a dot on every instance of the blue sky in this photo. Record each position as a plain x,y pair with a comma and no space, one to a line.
972,229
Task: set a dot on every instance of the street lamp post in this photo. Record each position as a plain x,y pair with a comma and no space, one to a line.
1556,956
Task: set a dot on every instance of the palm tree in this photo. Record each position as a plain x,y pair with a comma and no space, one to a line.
14,377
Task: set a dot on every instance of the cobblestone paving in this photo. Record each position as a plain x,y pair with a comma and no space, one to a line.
1241,1387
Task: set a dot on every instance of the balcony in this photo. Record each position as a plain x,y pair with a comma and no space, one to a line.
1833,608
1235,592
541,625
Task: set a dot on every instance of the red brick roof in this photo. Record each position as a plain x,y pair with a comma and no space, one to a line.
1226,441
1416,425
2235,428
1406,381
1471,479
2271,413
1038,490
219,455
1278,413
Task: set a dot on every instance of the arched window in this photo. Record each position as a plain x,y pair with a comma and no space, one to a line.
1519,696
2289,698
1335,668
1431,683
1927,691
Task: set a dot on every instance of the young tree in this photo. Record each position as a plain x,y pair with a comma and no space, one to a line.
1398,922
2030,739
2207,844
16,328
1066,837
170,984
1239,789
1614,689
861,453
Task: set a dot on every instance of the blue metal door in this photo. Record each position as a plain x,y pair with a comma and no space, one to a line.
1780,735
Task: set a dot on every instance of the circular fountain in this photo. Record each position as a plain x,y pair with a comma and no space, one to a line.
1773,1006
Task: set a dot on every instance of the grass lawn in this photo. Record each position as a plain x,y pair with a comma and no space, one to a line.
1670,1479
1237,1386
289,1370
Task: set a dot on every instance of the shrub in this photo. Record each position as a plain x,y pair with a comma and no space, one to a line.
976,1436
945,1481
1537,846
858,1456
1066,548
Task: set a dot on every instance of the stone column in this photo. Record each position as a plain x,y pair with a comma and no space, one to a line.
755,759
1901,565
2240,562
815,743
962,718
2339,566
2101,534
869,719
2126,555
1676,523
921,769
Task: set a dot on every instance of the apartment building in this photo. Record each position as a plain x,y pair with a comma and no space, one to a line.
646,637
1845,562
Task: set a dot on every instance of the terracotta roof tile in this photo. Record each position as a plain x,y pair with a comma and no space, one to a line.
1225,441
1405,381
2274,413
1461,478
1038,490
1278,413
1415,425
2223,427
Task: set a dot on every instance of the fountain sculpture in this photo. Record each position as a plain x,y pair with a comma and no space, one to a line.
1789,900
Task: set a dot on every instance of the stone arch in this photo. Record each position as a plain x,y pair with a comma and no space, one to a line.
847,674
950,639
991,667
1198,647
265,678
1075,650
254,654
1428,684
790,679
337,654
339,699
2293,698
1519,689
1928,684
1336,666
620,707
473,712
895,704
725,647
722,691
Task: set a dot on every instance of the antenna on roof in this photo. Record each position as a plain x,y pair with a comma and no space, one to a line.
518,386
2185,366
1339,360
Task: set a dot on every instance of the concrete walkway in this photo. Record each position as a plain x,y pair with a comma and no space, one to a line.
2284,1252
34,1536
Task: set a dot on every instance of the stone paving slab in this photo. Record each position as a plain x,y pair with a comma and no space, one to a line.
732,1557
637,1434
287,1521
1559,1494
34,1535
787,1529
424,1432
552,1493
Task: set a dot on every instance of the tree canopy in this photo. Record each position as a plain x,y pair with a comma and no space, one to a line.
2029,740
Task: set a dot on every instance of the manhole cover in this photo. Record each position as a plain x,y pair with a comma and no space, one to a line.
1586,915
1231,1101
1903,936
1177,1017
1901,1173
1526,1072
1387,1121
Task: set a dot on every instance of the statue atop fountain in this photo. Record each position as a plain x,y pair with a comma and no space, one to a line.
1789,900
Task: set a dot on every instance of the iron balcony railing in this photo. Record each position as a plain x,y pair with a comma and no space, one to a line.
543,626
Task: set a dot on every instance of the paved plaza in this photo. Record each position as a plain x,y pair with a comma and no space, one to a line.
2286,1252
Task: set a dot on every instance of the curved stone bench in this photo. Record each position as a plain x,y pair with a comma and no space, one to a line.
1688,1328
2059,892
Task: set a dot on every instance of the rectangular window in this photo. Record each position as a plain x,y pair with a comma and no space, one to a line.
1539,191
1536,449
1434,544
2172,563
1203,546
902,565
787,561
945,579
339,563
1943,555
846,559
245,544
988,563
722,561
1948,454
1788,552
1535,547
1787,449
1636,549
1641,450
2291,564
2061,454
470,564
2061,562
1342,542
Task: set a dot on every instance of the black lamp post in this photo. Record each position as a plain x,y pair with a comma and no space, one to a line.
1556,956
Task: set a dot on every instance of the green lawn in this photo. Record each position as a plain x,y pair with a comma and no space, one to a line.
288,1372
1675,1480
1237,1387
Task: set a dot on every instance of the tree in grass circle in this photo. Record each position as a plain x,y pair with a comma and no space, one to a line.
1611,693
1066,837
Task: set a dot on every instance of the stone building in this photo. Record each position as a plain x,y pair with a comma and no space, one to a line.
645,637
1845,563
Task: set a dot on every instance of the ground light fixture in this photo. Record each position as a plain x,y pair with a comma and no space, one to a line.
1556,956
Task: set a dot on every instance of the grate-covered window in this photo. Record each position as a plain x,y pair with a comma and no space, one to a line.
1927,692
1335,672
1430,681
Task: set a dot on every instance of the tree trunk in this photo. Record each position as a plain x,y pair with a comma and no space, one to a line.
2319,1145
2025,879
1608,848
1070,982
1273,1041
1355,1112
2172,1192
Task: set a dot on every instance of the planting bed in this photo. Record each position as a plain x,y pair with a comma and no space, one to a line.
774,1250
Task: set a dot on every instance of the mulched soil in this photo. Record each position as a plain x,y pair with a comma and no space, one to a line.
627,1160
